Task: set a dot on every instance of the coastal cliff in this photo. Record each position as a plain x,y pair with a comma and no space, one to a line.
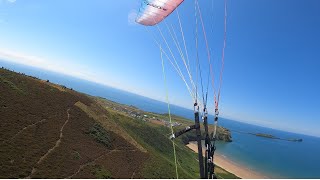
67,134
223,134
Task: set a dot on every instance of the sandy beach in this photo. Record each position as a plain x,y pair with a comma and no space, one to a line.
230,166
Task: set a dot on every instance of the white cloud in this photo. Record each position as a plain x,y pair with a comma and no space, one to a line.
48,64
11,1
7,1
19,58
65,67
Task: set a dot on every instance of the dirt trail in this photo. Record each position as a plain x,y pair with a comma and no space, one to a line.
94,160
58,142
23,129
134,173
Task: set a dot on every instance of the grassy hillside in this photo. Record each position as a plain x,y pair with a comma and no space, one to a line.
50,131
44,134
154,137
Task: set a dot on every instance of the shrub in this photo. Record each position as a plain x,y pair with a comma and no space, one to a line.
100,134
101,173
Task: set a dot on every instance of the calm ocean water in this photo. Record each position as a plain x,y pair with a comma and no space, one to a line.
274,158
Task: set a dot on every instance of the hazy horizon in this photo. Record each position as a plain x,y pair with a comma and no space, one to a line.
105,85
271,69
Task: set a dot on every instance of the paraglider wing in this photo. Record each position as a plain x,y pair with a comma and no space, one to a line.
154,11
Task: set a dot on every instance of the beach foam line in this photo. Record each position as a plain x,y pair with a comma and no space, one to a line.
231,166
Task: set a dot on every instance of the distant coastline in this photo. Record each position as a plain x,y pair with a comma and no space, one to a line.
269,136
280,162
274,137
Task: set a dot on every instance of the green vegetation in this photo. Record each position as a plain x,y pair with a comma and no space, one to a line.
274,137
154,137
266,135
101,173
100,134
178,122
223,174
161,162
155,140
99,141
223,134
76,155
30,126
11,85
295,140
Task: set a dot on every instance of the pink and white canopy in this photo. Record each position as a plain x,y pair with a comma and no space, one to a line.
154,11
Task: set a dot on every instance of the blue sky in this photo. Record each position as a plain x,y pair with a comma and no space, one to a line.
271,75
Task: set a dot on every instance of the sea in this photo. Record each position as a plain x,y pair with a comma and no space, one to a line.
270,157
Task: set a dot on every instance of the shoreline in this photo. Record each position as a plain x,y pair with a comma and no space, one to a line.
231,166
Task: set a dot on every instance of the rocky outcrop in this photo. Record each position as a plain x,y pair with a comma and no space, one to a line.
223,134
